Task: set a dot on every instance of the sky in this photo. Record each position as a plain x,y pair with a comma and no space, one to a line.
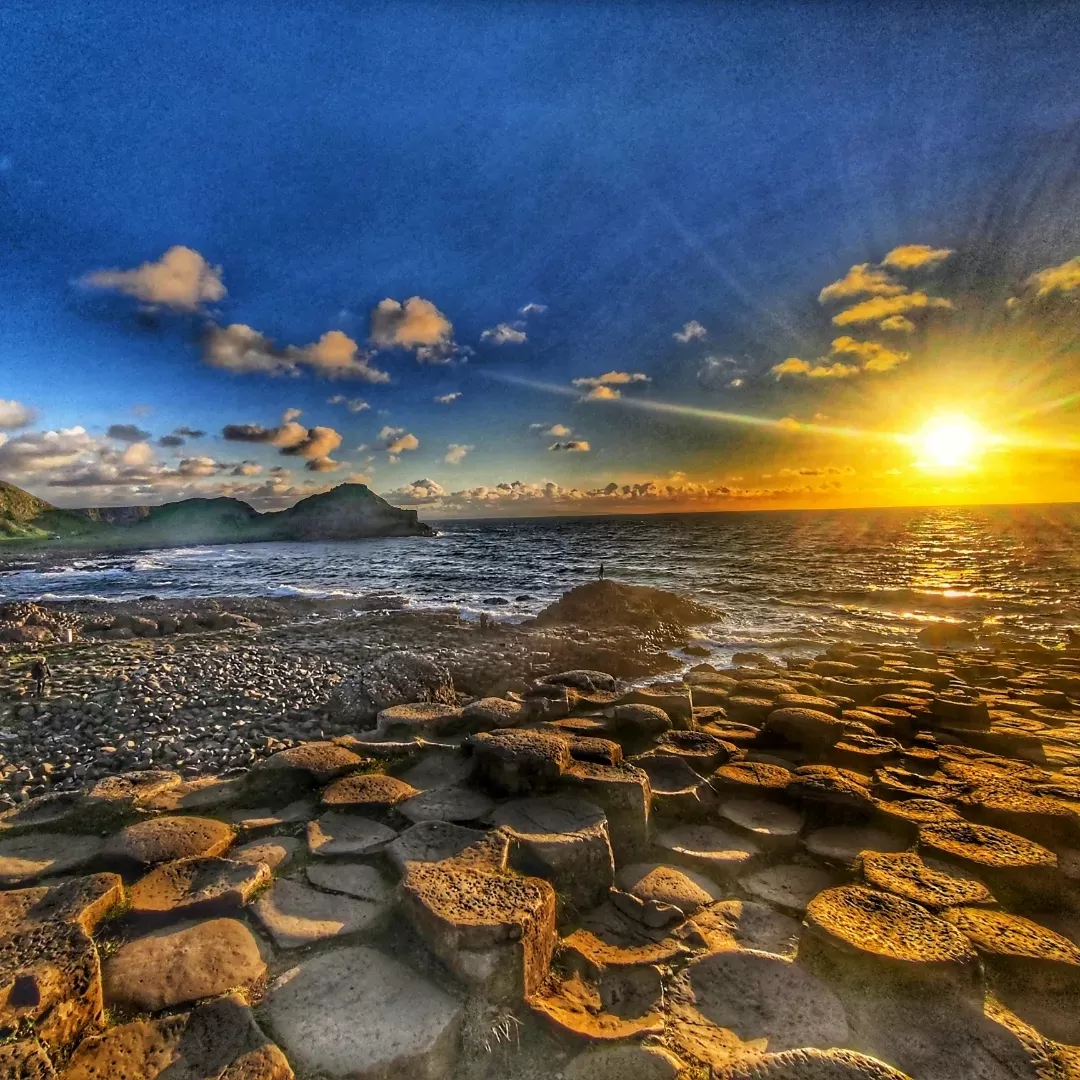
541,258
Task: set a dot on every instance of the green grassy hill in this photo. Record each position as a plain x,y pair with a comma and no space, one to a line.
26,517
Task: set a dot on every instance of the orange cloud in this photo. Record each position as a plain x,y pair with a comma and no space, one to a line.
861,279
882,307
915,256
870,354
794,366
409,324
898,324
181,279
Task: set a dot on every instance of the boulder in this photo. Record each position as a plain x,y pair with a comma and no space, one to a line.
358,1015
367,792
624,794
809,728
50,984
418,720
655,883
182,965
196,889
640,720
515,762
490,713
25,1060
874,934
85,901
495,932
564,840
219,1039
394,678
290,774
675,703
933,884
164,839
606,603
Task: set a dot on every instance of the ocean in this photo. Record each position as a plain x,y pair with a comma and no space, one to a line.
782,579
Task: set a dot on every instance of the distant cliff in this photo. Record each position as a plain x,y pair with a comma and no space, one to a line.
347,512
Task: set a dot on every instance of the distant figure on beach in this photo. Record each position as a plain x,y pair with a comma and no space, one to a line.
485,622
39,672
601,571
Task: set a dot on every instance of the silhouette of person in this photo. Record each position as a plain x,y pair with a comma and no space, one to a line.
601,571
39,672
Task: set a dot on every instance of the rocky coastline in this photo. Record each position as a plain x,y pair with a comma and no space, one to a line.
284,841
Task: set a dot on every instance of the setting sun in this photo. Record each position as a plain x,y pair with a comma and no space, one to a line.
949,442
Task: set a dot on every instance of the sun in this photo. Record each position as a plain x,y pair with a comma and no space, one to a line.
949,442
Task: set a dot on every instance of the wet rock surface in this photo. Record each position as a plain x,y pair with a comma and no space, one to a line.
863,865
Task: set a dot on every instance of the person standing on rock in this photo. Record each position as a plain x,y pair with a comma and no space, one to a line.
601,571
40,673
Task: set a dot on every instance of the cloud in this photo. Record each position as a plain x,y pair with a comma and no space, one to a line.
559,431
142,410
1063,279
315,444
14,414
246,468
181,280
691,331
447,399
394,441
870,354
898,324
717,372
455,453
354,405
881,307
794,366
406,325
243,350
574,446
171,440
127,433
602,393
611,378
825,470
532,309
190,433
915,257
789,423
544,498
862,279
37,450
504,334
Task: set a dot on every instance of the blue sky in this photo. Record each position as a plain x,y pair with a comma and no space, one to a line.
631,168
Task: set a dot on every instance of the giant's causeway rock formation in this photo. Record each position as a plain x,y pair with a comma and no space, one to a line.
864,866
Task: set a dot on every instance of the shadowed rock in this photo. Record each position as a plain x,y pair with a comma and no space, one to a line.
290,774
355,1013
84,901
610,1003
707,848
741,924
347,834
810,1064
295,914
518,762
623,792
25,859
790,886
564,840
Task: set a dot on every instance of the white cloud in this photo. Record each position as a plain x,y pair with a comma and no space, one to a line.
532,309
559,431
448,399
243,350
504,334
691,331
611,378
181,280
455,453
409,324
354,405
14,414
